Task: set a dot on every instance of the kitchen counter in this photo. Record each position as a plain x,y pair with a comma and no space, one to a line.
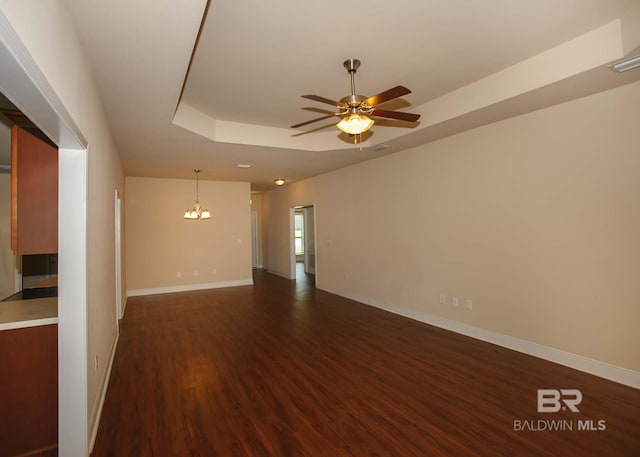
28,313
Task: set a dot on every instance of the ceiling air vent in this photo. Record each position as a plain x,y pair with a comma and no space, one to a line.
379,147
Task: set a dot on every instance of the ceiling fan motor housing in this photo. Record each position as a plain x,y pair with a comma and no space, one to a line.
353,101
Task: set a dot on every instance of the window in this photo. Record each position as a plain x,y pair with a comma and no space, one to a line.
299,233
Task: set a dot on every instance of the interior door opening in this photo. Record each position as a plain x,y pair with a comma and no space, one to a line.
24,83
303,241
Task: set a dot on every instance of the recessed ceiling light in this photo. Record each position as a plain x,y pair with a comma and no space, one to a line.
244,165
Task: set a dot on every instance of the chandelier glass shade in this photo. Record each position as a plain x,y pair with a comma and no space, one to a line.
197,212
355,123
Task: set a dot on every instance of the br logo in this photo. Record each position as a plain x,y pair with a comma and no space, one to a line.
552,400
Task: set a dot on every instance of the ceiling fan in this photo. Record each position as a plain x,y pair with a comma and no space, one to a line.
355,108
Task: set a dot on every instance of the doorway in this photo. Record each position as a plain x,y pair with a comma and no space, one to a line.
303,242
24,83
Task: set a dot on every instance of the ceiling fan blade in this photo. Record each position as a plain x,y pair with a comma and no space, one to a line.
410,117
387,95
320,99
314,120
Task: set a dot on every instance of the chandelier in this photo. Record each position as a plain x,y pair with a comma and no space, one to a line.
197,212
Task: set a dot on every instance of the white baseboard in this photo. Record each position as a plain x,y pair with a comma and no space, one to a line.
189,287
97,407
279,273
604,370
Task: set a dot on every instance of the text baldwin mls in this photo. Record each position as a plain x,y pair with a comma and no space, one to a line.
552,401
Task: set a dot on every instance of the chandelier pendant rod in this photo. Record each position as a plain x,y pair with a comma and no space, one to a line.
197,198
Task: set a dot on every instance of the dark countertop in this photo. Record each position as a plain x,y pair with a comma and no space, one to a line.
37,292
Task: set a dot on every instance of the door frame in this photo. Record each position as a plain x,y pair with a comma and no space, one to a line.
118,240
254,240
292,243
306,210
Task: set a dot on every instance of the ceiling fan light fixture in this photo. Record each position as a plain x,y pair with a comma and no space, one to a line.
355,124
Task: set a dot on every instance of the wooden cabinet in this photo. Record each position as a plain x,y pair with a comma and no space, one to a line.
28,390
34,194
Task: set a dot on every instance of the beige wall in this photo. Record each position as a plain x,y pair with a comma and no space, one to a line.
161,243
7,259
535,218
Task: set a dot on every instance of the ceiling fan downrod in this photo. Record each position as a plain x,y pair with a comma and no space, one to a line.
352,66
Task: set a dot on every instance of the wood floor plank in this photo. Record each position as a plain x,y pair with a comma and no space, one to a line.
282,369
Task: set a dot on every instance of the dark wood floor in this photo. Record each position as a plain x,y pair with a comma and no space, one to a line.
281,369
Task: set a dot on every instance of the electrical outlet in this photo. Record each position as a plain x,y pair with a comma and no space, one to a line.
469,304
214,271
455,301
443,299
195,273
178,274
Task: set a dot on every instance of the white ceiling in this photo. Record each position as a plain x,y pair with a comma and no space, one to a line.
254,59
